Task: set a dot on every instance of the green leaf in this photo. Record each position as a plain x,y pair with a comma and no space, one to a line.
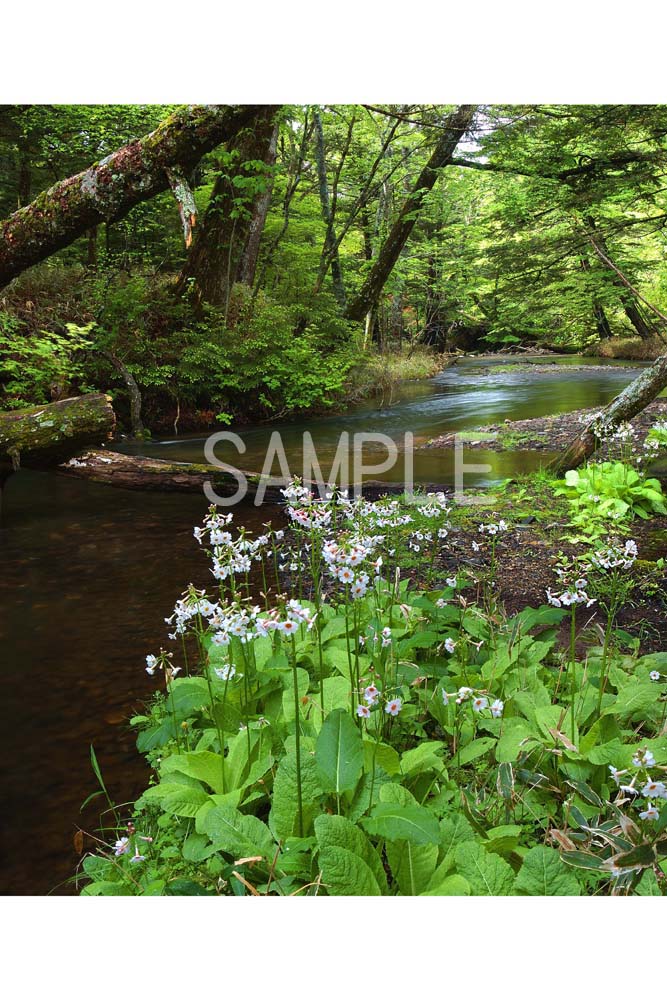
242,836
637,696
394,822
487,874
203,765
452,885
339,753
382,755
412,865
423,758
517,736
344,873
475,749
283,818
544,874
337,831
184,801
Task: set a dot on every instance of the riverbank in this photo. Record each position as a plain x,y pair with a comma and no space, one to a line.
550,433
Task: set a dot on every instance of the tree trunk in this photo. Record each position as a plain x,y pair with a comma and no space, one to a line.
248,266
134,392
630,306
454,128
634,398
43,436
330,247
214,262
109,189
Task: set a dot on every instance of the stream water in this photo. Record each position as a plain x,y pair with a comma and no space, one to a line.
88,574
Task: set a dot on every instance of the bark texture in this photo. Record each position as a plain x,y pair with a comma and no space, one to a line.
453,130
634,398
43,436
106,191
214,261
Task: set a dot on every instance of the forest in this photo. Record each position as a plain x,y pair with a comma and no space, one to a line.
386,683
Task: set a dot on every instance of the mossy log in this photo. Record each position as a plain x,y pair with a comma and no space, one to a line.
134,472
106,191
634,398
43,436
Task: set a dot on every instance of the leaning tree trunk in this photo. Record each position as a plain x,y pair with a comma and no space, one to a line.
109,189
453,129
43,436
213,263
634,398
133,390
330,244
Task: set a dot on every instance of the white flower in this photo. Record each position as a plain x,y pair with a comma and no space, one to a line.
121,846
151,662
441,603
371,694
451,581
655,675
615,773
643,758
450,645
654,789
288,627
137,857
497,708
651,812
445,697
225,673
363,711
393,707
475,547
479,704
464,692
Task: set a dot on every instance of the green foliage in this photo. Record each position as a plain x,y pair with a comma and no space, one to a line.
609,492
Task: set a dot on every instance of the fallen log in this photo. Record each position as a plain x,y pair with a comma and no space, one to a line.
43,436
135,472
631,401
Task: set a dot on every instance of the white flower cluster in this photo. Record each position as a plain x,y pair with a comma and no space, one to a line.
345,560
477,699
493,529
613,555
650,790
574,592
249,623
371,697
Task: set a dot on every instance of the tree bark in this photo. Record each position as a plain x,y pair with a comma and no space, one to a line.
214,261
455,127
634,398
330,251
133,390
43,436
109,189
248,266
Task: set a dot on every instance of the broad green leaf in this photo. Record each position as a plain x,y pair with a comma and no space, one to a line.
451,885
235,833
412,865
475,749
382,755
339,753
344,873
517,736
283,818
184,801
422,758
634,697
487,874
395,822
336,831
203,765
544,874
